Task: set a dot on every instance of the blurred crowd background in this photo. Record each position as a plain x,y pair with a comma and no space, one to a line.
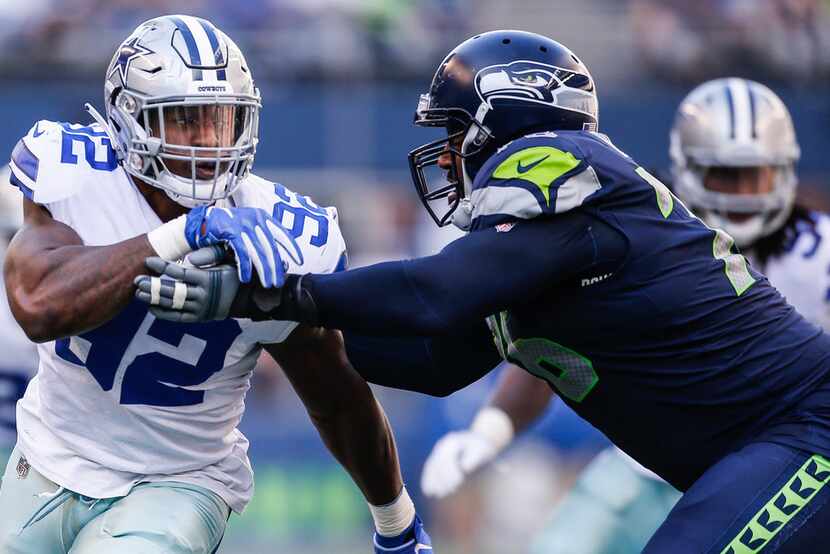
340,80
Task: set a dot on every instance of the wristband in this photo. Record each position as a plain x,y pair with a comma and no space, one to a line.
169,240
494,425
394,518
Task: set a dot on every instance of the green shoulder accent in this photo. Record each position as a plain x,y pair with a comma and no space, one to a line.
540,165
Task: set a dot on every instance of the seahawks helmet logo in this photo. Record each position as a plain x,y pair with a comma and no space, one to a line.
538,83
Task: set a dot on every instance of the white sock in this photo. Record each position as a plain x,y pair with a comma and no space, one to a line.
392,519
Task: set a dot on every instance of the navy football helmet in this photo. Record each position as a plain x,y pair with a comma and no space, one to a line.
491,89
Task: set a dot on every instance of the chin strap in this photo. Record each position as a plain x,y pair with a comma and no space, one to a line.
100,120
462,217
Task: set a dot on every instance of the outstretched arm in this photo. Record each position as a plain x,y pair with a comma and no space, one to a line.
474,277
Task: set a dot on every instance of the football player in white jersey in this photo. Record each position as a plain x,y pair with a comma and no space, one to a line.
19,361
128,435
733,150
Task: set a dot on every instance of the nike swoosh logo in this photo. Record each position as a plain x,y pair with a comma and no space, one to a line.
525,168
422,548
37,132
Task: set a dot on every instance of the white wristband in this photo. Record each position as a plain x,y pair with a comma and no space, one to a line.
392,519
169,240
494,425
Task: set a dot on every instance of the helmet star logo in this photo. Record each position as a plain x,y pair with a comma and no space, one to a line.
129,51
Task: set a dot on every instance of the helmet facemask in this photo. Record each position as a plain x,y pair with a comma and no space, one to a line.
762,213
196,148
443,191
182,109
734,125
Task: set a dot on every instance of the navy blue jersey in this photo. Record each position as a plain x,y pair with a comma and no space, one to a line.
648,323
684,344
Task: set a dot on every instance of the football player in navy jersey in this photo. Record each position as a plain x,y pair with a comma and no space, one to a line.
733,150
590,275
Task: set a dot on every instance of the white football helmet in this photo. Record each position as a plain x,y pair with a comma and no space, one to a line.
182,109
735,123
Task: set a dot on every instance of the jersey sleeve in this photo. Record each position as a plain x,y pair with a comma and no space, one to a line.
316,230
53,160
472,278
536,175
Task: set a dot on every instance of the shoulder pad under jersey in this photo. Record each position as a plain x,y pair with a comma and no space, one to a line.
56,160
543,174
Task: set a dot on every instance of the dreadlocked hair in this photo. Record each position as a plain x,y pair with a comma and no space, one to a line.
782,240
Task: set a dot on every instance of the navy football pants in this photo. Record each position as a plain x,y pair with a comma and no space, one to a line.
762,498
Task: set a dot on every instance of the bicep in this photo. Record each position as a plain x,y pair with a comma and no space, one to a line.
25,262
437,366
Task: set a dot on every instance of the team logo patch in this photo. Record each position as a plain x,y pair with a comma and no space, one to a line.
535,82
23,468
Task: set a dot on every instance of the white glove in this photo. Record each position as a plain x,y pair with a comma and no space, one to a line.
458,454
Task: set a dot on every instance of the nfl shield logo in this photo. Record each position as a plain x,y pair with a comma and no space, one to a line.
22,468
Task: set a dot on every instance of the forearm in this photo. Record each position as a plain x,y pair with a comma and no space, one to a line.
360,438
70,289
341,406
521,396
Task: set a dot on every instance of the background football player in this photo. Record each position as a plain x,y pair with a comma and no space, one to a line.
594,277
733,151
127,435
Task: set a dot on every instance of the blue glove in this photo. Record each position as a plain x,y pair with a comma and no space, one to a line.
256,239
412,541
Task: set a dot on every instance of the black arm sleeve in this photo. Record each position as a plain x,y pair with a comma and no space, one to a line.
475,276
437,366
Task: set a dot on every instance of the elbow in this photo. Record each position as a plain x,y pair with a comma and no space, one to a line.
453,321
39,321
442,388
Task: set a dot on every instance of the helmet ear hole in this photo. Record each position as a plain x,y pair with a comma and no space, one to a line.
127,102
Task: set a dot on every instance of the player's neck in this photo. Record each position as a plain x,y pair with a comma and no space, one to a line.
160,203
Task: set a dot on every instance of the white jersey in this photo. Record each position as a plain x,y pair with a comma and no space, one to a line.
140,399
802,273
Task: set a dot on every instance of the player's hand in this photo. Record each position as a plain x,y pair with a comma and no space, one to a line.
202,290
455,456
414,540
258,241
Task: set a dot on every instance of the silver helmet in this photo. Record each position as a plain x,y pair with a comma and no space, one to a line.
182,109
735,123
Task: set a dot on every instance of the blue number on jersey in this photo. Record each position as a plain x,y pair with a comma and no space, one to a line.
161,357
85,136
306,210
